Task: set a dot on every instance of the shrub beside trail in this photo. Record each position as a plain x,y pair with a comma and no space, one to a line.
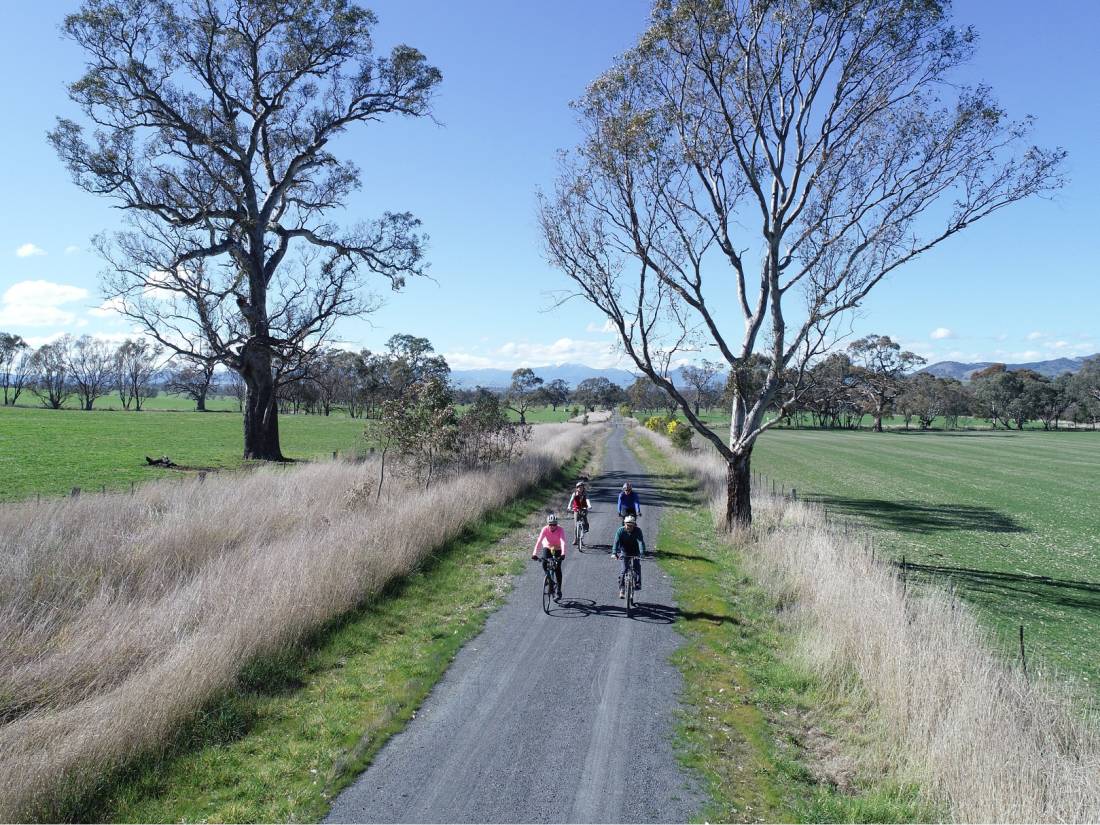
970,729
122,616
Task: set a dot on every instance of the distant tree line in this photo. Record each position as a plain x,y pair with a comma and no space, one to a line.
873,379
358,384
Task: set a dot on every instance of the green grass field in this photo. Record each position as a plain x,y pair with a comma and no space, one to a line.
49,452
161,401
1008,518
52,451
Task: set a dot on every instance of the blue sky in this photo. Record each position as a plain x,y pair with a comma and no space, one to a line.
1022,286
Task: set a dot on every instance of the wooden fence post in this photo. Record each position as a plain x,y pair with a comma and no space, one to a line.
1023,655
75,492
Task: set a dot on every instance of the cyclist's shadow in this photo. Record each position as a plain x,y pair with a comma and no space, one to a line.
597,549
647,612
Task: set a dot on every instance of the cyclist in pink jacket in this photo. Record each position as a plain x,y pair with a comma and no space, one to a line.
551,541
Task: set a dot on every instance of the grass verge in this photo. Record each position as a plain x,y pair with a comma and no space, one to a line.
770,742
299,728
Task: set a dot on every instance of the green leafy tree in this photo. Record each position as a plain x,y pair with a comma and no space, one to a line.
422,428
524,393
555,393
486,435
882,365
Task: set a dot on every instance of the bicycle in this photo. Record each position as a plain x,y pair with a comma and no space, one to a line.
629,582
580,526
549,582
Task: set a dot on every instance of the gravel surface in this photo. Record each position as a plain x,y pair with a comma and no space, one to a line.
566,717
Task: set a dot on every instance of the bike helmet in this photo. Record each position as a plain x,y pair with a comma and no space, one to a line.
552,519
580,485
626,487
630,520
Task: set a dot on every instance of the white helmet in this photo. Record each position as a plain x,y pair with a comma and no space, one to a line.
629,520
552,519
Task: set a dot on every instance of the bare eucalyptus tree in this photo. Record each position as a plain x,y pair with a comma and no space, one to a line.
50,379
214,123
136,365
754,168
90,364
192,377
15,361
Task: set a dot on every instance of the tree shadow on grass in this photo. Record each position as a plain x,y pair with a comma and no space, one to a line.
1063,592
917,517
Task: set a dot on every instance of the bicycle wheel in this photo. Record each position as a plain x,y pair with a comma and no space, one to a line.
629,592
547,593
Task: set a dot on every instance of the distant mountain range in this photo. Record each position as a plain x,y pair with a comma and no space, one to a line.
572,374
962,372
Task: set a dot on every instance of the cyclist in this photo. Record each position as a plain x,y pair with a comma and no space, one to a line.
628,548
551,542
578,506
629,503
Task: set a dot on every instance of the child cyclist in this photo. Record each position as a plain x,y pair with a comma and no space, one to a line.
551,542
578,506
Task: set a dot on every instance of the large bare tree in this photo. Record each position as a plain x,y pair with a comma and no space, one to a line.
214,123
754,168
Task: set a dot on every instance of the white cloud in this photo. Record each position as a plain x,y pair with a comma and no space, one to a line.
39,304
599,354
515,354
36,341
940,333
29,250
1034,336
468,361
111,308
72,249
1060,344
606,326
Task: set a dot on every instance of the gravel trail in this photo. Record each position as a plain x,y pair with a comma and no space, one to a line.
566,717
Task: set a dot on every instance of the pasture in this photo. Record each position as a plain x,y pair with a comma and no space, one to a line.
51,451
1007,518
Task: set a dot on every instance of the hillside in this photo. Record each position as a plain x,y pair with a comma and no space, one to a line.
962,372
572,374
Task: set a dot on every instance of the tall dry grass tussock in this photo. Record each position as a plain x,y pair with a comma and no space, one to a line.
122,616
966,726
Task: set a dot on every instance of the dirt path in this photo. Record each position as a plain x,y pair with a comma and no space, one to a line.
565,717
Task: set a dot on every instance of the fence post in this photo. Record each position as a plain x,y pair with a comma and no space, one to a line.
904,580
1023,655
75,493
102,488
131,488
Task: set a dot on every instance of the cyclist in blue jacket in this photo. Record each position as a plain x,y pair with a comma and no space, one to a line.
629,503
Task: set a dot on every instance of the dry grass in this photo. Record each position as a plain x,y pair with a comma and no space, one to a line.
122,616
966,726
